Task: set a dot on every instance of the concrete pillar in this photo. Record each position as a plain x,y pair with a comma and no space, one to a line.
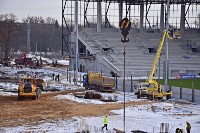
99,19
141,17
162,15
182,23
120,11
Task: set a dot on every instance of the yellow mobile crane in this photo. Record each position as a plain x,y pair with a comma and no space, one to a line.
150,88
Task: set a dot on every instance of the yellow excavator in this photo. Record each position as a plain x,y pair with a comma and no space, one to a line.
150,88
30,87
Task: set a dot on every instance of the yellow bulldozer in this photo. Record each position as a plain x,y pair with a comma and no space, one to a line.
30,88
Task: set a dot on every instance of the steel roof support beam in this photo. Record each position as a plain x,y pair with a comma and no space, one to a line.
128,12
182,24
141,17
139,2
106,14
63,17
99,15
120,11
187,12
64,25
162,18
85,13
147,15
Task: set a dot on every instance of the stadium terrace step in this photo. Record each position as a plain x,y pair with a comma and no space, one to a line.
137,56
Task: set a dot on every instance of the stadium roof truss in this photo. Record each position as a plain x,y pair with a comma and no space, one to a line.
136,2
67,24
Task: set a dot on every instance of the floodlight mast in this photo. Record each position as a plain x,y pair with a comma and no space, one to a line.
76,25
167,47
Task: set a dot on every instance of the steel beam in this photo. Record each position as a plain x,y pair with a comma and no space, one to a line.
64,26
138,2
147,14
85,13
128,11
187,12
106,13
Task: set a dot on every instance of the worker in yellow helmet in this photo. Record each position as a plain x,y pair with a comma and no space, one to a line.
105,122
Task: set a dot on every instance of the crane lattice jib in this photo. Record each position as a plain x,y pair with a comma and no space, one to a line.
165,34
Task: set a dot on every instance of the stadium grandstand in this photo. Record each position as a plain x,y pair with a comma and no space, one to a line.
99,37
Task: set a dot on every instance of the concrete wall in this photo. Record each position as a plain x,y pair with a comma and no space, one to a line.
186,94
127,86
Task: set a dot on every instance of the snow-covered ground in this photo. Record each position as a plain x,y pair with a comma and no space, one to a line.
118,96
8,86
145,117
141,117
41,73
62,62
44,73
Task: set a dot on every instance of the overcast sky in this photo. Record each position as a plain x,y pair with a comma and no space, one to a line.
21,8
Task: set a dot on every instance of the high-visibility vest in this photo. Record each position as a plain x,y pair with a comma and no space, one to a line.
179,130
188,126
105,121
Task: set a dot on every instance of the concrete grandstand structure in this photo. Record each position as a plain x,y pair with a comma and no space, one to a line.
101,49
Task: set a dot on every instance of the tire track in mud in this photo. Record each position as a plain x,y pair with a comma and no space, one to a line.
47,107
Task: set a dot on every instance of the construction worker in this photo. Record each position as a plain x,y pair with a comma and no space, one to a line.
188,127
171,31
58,76
53,76
105,122
179,130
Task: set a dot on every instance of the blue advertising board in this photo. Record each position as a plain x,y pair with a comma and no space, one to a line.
185,76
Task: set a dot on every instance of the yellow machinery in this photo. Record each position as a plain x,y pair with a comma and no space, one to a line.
30,87
150,88
96,81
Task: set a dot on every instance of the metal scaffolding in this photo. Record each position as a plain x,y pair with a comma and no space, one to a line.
143,14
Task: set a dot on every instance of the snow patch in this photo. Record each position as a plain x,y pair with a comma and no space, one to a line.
115,96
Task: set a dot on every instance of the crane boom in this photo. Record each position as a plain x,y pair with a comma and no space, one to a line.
158,55
150,88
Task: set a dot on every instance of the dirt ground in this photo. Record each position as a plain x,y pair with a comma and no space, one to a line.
28,111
